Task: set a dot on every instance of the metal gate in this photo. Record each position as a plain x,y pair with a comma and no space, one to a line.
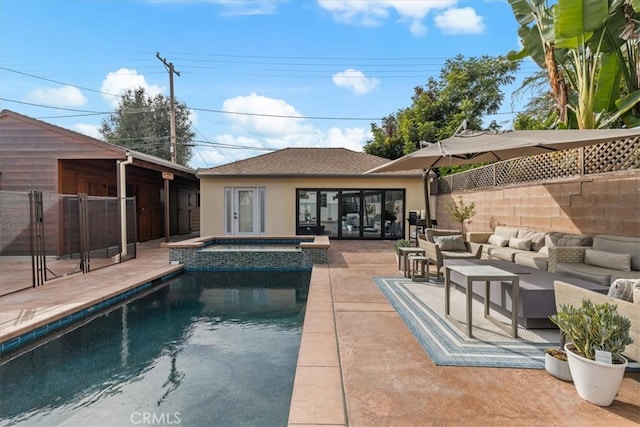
61,235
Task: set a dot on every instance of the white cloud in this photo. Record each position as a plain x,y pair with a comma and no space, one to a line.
248,7
365,12
264,116
460,21
260,127
355,81
116,83
65,96
350,138
362,12
87,129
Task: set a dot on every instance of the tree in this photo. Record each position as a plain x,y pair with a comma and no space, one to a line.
590,51
142,123
540,112
466,89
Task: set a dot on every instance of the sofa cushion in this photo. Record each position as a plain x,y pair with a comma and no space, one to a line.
450,243
636,294
496,240
507,232
522,244
536,237
623,289
590,273
532,259
432,233
557,238
621,245
507,254
544,251
608,260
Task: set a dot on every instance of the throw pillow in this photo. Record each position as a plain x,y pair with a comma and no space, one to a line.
636,293
450,243
523,244
623,289
610,260
536,237
497,240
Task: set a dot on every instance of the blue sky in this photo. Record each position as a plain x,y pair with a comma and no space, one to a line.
326,69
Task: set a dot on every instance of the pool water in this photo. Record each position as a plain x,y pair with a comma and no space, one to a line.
204,349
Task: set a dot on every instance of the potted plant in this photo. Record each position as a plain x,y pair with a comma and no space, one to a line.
401,243
598,335
461,212
556,364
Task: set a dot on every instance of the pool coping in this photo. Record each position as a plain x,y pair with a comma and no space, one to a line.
21,325
318,392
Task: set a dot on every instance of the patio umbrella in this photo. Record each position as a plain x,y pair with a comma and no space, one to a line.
470,147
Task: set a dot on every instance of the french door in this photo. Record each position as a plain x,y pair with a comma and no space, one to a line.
244,211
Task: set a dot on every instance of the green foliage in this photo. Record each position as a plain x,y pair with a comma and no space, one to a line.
592,327
460,211
589,50
466,89
401,243
142,123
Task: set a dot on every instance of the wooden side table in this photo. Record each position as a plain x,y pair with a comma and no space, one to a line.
403,258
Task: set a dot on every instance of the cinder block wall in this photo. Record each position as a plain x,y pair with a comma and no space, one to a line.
595,204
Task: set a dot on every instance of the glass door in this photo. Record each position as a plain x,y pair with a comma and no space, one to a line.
373,222
244,209
351,216
329,213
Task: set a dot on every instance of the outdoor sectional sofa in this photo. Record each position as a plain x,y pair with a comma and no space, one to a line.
600,259
524,246
610,258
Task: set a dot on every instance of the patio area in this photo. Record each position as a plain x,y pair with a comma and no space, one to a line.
359,364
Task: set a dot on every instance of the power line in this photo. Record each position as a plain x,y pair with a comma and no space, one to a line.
282,116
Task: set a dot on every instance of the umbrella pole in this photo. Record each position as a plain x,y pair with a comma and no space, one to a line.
425,181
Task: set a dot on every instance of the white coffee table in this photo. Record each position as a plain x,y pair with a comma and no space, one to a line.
487,274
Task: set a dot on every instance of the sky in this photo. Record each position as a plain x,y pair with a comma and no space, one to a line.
257,75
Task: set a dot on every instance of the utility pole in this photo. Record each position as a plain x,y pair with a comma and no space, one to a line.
172,111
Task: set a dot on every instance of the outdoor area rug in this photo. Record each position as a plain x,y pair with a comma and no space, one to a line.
421,306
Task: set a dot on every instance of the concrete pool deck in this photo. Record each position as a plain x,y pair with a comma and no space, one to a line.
359,364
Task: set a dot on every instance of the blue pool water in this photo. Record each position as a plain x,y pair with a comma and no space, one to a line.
204,349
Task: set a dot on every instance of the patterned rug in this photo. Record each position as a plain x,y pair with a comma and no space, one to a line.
421,306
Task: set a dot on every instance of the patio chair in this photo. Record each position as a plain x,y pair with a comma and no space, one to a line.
446,244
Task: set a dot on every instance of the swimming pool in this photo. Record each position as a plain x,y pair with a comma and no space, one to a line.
206,348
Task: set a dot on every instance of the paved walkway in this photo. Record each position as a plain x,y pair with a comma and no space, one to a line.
359,365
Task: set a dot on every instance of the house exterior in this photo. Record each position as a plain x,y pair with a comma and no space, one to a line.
35,155
309,191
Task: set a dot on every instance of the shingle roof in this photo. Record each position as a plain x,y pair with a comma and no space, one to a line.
303,162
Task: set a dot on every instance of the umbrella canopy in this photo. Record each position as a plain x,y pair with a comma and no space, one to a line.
475,147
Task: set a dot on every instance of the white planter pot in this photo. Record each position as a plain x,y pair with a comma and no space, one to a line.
595,382
557,368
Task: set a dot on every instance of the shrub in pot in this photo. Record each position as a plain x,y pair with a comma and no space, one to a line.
598,334
401,243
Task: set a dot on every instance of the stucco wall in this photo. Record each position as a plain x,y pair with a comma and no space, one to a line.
281,198
596,204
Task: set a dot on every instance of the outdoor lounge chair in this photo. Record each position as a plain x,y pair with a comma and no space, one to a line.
446,244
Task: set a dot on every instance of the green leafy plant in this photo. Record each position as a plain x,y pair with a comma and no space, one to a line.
460,211
592,327
401,243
